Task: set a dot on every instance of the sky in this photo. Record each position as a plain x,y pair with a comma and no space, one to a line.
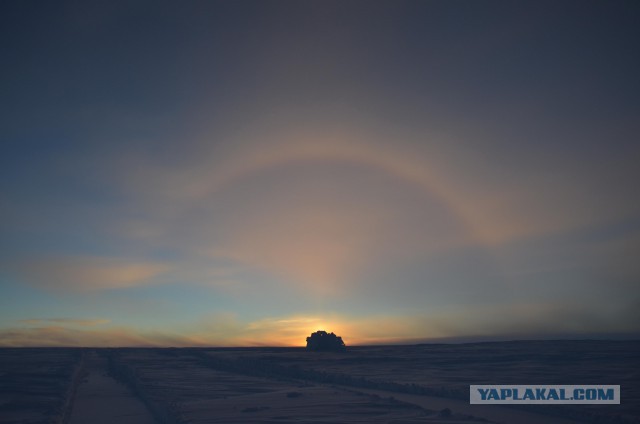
243,173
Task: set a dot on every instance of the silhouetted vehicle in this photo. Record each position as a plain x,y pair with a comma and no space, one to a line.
321,341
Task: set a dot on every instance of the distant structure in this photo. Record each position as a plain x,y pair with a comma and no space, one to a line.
321,341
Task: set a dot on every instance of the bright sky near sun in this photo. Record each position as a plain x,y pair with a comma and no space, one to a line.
247,172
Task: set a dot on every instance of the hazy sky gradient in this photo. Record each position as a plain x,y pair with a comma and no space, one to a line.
247,172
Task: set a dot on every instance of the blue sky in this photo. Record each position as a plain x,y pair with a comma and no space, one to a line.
245,173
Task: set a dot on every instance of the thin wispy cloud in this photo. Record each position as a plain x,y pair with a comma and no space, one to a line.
65,321
49,336
86,273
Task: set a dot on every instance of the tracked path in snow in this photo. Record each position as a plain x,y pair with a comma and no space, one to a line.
100,399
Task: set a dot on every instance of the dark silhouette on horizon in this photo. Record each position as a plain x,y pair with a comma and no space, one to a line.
321,341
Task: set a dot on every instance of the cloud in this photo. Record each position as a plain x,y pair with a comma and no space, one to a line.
65,321
52,336
87,273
